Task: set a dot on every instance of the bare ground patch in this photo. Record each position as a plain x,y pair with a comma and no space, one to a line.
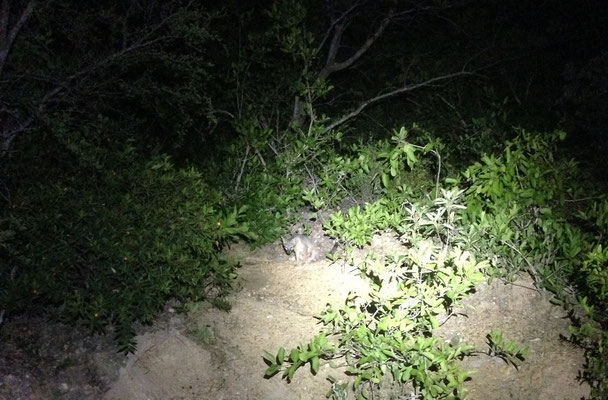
211,354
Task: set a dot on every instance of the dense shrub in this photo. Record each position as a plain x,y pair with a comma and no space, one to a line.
112,239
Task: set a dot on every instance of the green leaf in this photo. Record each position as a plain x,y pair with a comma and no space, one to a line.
314,363
272,370
385,179
411,156
270,358
291,370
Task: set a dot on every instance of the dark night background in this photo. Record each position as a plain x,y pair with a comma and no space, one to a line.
139,138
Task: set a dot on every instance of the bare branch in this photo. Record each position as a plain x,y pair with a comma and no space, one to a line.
8,133
334,45
240,175
7,37
337,21
12,126
331,66
402,89
339,25
22,19
5,9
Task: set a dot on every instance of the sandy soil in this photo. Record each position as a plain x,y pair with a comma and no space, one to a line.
211,354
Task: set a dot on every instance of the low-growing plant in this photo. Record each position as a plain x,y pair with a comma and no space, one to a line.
524,215
203,335
311,354
358,226
593,337
510,351
594,273
388,335
590,324
338,390
514,216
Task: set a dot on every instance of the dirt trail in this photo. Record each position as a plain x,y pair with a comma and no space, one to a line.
275,308
214,355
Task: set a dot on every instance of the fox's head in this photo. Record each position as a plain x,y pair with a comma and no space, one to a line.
288,245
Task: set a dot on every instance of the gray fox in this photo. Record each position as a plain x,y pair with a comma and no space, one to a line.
304,248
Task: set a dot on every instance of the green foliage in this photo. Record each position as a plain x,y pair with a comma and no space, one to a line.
333,170
104,58
510,351
520,174
311,354
594,273
487,130
113,244
358,227
438,218
387,336
268,196
590,324
519,211
402,152
514,213
589,330
596,217
338,390
514,203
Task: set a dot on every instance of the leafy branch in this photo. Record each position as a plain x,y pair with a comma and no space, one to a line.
510,351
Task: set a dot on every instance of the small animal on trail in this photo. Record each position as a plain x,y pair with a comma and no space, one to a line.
303,247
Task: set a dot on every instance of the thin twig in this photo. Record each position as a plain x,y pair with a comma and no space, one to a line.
403,89
584,199
438,172
245,159
530,266
257,152
7,37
